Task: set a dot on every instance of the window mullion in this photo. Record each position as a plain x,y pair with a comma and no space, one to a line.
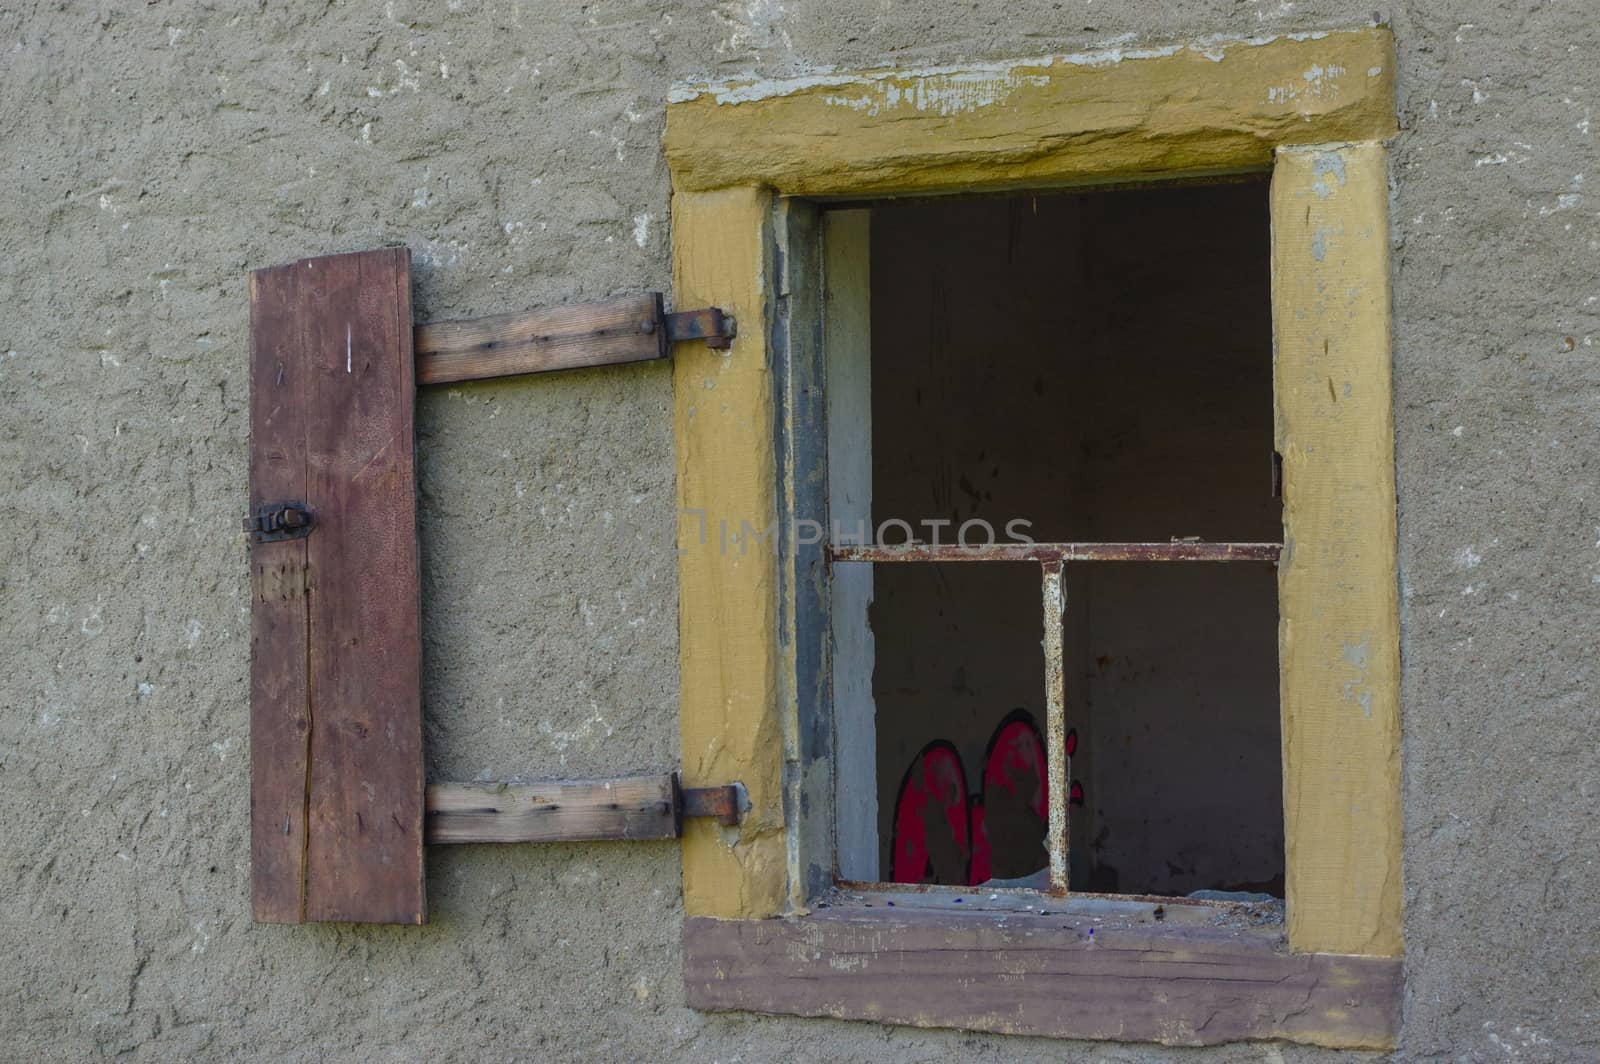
1054,602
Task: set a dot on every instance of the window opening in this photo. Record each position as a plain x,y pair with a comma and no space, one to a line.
1054,521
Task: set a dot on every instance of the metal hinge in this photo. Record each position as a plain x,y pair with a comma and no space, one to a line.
274,521
725,803
711,325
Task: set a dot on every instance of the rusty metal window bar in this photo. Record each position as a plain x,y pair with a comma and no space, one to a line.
1051,559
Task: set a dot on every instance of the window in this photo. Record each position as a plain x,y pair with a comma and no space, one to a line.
1092,369
767,179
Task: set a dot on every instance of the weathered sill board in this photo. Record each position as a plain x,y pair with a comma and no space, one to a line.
628,329
637,807
1056,976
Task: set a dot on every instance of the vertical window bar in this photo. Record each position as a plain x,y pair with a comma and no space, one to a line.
1055,693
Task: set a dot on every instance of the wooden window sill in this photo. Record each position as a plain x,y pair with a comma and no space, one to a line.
1077,970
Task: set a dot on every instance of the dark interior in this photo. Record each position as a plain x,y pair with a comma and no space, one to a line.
1100,365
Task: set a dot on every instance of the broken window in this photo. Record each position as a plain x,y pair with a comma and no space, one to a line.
1070,680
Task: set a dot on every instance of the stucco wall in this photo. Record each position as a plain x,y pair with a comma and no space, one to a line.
155,151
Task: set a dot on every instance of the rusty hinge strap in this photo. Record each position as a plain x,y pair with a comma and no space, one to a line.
725,803
711,325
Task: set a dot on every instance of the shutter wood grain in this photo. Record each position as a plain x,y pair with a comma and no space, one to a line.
336,716
1061,976
579,336
630,808
280,737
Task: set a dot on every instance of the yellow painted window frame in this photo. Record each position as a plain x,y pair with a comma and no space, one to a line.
1313,109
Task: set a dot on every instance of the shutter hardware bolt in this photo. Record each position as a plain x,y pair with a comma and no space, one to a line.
274,521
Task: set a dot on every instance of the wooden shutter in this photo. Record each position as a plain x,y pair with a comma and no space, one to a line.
336,775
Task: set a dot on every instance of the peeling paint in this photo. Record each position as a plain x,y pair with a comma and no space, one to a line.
1327,164
1319,244
1319,81
969,86
1358,690
904,82
944,94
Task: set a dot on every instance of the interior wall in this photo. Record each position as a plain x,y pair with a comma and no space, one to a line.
958,646
1098,365
957,650
1182,665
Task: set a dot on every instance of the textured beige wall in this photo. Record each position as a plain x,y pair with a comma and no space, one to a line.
154,152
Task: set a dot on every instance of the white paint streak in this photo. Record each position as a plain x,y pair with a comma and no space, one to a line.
347,347
943,94
93,624
1319,81
963,87
1564,202
751,91
1500,158
641,228
408,78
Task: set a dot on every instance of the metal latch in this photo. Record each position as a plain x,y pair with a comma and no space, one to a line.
711,325
275,521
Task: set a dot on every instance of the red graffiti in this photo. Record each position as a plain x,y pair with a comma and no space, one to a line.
943,835
932,830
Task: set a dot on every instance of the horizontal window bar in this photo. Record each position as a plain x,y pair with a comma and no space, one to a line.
1181,551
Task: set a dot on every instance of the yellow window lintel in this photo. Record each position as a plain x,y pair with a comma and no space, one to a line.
1211,105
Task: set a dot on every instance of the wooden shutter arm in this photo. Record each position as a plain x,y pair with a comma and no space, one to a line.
632,807
578,336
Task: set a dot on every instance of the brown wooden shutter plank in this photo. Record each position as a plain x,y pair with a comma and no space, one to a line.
363,787
279,724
